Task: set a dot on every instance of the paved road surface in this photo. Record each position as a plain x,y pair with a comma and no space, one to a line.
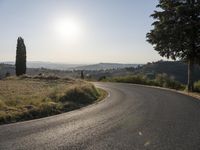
132,117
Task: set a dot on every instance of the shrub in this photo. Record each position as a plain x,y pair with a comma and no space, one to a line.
7,74
82,94
164,80
197,86
136,79
49,77
102,78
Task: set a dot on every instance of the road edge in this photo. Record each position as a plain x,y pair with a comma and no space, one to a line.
99,100
190,94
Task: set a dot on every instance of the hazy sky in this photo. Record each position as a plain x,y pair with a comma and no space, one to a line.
78,31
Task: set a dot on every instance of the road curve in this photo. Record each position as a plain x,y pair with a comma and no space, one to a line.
132,117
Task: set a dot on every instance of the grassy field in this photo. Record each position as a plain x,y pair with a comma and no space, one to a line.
27,98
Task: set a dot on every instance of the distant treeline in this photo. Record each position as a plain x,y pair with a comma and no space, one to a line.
175,69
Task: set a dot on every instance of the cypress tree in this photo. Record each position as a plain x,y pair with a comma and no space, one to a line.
176,32
20,64
82,74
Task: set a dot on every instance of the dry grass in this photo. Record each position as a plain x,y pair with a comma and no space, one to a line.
29,98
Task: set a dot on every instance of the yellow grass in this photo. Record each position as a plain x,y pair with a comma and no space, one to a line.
28,98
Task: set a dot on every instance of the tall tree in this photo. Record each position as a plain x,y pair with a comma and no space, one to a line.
176,32
82,74
20,64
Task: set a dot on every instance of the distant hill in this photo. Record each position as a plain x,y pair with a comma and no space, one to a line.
9,68
6,68
177,69
62,66
48,65
105,66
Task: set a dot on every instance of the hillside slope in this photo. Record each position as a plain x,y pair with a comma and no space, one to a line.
177,69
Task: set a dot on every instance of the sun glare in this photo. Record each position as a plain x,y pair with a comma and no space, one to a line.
68,29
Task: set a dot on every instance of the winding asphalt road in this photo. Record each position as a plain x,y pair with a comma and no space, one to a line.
132,117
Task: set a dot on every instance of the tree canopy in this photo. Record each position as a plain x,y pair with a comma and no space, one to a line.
176,31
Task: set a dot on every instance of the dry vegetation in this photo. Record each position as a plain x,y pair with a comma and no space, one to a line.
27,98
161,80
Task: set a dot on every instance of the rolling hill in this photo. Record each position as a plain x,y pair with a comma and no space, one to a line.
105,66
177,69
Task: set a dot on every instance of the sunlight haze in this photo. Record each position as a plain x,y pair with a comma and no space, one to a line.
78,31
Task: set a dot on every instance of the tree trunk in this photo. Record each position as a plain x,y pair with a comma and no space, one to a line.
190,85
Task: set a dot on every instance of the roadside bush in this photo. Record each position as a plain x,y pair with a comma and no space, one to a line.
197,86
162,80
83,94
49,77
136,79
166,81
102,78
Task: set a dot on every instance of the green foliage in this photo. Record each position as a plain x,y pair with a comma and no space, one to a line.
176,29
177,69
82,75
102,78
7,74
176,32
136,79
197,86
20,63
162,80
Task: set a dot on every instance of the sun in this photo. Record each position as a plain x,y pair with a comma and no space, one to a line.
68,28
